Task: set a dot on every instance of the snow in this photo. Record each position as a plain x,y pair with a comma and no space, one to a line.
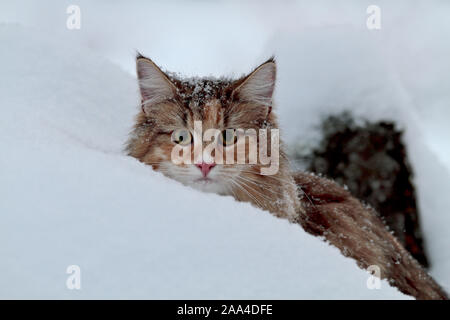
380,76
69,195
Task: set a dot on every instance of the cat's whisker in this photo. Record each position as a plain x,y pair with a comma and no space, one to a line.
257,193
272,180
241,187
258,183
265,176
262,181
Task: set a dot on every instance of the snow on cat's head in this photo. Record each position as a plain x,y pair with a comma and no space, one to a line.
207,132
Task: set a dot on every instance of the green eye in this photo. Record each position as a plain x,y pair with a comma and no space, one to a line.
182,137
228,137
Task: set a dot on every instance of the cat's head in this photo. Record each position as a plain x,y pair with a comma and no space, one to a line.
172,108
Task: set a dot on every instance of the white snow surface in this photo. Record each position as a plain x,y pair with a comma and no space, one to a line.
70,197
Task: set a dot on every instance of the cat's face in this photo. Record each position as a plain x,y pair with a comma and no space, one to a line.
172,111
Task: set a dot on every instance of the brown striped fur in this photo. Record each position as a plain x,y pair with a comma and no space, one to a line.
332,212
320,206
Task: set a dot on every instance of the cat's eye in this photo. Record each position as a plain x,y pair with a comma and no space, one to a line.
228,137
182,137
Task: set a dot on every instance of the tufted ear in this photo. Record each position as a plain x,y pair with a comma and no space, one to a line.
259,85
154,84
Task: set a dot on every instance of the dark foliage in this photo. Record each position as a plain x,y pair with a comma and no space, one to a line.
371,160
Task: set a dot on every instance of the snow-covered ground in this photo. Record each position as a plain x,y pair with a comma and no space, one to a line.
70,197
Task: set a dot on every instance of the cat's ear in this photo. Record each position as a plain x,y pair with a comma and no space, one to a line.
258,86
154,84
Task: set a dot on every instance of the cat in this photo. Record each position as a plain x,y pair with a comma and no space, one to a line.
170,104
170,107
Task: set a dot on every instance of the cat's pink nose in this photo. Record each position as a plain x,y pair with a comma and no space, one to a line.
205,167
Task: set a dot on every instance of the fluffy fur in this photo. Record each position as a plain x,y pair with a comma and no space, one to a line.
170,103
332,213
320,206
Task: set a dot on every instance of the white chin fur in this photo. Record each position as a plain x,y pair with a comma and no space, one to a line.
208,186
192,176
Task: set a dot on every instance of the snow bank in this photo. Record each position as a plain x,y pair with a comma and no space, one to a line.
386,75
70,197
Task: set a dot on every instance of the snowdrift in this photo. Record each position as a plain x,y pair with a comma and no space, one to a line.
69,196
326,71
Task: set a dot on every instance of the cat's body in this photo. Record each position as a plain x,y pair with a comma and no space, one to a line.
170,104
332,212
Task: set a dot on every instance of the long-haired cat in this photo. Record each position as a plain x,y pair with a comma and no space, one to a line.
171,105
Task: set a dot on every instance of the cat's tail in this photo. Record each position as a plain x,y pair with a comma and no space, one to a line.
330,211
